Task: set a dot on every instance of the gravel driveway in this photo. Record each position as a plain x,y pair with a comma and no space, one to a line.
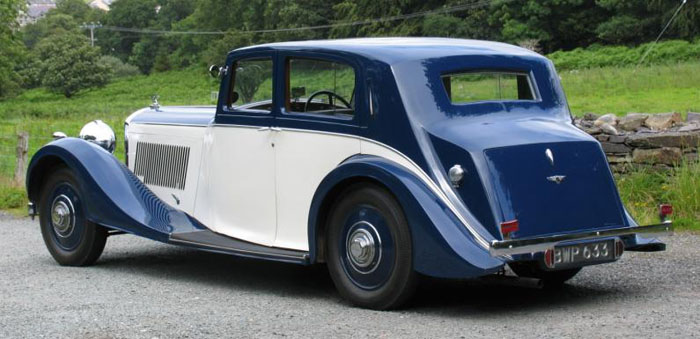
143,289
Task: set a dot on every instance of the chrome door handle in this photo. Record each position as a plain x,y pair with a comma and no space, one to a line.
274,129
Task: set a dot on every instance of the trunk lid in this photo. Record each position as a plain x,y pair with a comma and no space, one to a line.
554,187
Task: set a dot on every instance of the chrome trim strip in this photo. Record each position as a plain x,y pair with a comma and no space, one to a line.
301,256
540,244
168,124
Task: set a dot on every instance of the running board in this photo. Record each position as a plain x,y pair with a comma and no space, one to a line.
214,242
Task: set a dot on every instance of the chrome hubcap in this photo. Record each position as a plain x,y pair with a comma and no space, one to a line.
364,248
62,216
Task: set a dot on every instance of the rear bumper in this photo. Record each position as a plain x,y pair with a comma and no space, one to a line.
541,244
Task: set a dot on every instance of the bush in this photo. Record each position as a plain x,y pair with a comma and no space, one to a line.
118,68
666,52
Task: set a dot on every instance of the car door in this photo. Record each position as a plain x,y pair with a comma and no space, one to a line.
240,164
312,136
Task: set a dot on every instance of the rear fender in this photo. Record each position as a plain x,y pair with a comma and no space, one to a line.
113,196
442,246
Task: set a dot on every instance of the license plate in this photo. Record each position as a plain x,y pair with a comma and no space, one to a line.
584,254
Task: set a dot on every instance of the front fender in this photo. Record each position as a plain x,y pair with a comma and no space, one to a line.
442,246
113,196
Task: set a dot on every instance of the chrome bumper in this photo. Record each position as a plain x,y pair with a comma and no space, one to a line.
541,244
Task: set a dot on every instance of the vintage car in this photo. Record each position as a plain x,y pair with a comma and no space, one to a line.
385,158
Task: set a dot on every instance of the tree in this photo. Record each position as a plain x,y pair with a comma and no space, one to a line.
56,23
69,64
11,49
556,24
130,14
77,9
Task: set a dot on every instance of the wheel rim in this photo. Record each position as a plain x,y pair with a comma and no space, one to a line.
65,217
367,248
62,216
363,247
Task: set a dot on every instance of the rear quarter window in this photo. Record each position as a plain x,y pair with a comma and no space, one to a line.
469,87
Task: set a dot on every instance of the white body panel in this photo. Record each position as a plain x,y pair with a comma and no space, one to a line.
256,185
304,158
238,180
188,136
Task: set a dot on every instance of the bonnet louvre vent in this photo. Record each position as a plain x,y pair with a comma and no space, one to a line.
162,165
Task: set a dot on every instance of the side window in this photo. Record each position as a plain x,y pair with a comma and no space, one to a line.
252,85
320,87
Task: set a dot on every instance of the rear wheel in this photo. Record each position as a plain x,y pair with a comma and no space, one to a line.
551,279
71,239
369,249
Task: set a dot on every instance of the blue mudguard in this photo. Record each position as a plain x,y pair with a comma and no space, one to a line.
442,247
113,196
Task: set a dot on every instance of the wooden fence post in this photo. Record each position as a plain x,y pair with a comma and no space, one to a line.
22,150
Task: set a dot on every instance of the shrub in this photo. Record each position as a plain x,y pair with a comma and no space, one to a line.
666,52
118,68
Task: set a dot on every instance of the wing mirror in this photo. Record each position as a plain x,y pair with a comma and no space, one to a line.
216,71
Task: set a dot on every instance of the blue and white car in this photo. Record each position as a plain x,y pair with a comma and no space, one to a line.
384,158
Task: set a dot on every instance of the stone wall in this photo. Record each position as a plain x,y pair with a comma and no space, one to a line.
657,141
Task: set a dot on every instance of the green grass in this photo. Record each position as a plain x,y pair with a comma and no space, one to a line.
649,89
643,190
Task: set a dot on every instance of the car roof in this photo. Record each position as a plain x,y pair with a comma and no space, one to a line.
396,50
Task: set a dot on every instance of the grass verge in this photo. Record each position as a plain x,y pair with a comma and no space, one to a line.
643,190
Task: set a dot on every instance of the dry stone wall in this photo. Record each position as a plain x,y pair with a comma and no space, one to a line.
658,141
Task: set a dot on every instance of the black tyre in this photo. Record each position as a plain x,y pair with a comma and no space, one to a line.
369,249
550,279
71,239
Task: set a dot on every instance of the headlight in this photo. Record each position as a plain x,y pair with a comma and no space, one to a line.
98,132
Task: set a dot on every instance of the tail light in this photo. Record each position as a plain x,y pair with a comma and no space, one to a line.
509,227
664,211
549,258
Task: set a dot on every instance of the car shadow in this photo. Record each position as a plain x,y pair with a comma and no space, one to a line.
473,298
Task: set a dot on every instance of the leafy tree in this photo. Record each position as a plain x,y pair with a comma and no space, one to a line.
77,9
217,52
69,64
57,23
130,14
11,49
556,24
687,23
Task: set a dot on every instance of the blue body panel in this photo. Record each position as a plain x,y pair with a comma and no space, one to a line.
114,197
442,247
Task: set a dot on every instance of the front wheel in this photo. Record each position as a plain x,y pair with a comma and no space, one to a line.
71,239
369,249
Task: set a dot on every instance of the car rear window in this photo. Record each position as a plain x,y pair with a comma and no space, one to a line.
468,87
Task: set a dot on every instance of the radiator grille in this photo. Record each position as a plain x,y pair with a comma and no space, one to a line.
162,165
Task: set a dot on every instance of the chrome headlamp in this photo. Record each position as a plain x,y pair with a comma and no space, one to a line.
100,133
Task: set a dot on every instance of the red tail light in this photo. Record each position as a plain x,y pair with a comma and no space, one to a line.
549,258
508,227
665,210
